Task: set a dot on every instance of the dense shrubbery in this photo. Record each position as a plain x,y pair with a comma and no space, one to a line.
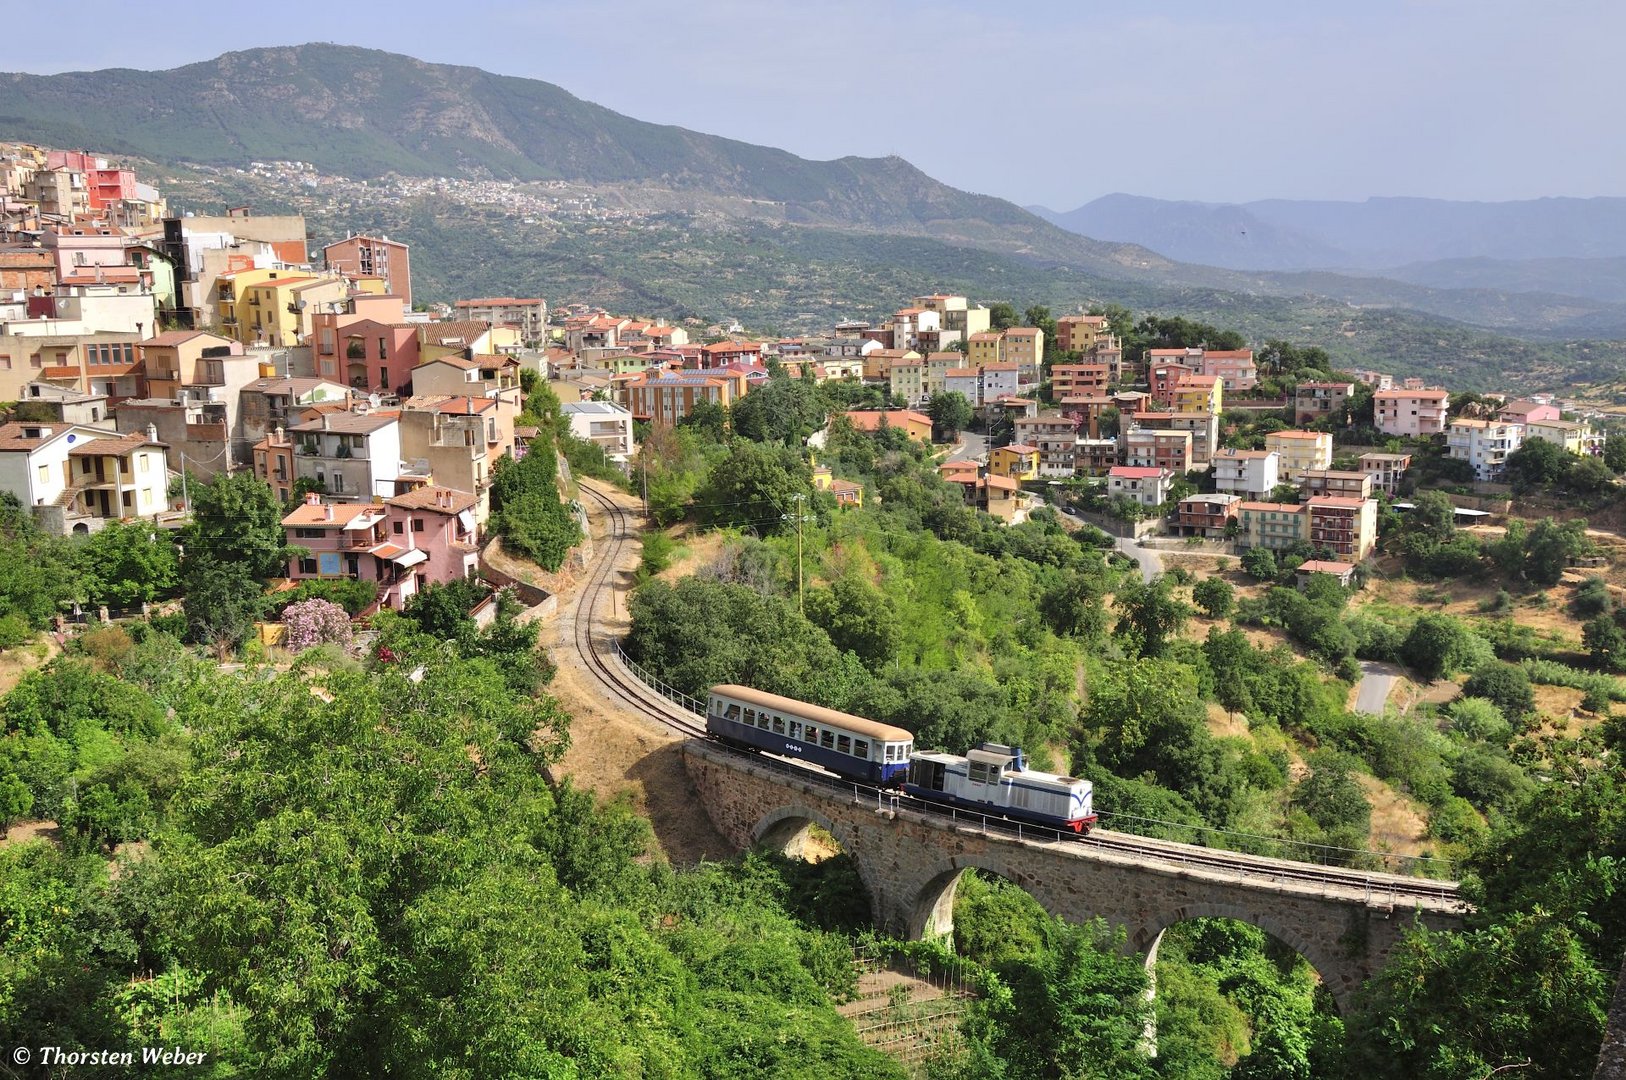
526,511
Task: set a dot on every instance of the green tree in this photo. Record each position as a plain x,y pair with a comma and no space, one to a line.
1332,798
237,521
1215,596
858,617
1260,564
1553,546
783,411
1505,685
220,600
126,564
1434,516
950,412
756,485
1537,464
1605,642
1001,315
1614,451
1149,614
525,507
1436,646
708,418
15,802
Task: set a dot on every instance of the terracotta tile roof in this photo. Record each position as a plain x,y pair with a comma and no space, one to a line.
1285,508
1137,472
175,337
440,333
1316,436
430,498
1411,394
870,419
495,301
115,447
451,404
309,514
1338,502
1325,566
1019,448
348,423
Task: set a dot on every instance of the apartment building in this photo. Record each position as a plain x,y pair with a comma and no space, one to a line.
1095,457
1054,436
1207,516
1525,411
1201,394
1234,367
1410,413
1483,444
1344,484
1162,377
1078,380
1276,526
907,379
1079,333
1250,474
1314,401
1146,447
1300,451
1572,435
1204,428
1086,410
956,313
528,316
1017,461
605,425
1385,470
1347,527
663,400
964,381
1144,485
999,380
374,256
353,455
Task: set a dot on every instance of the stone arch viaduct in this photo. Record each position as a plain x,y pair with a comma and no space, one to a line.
1344,922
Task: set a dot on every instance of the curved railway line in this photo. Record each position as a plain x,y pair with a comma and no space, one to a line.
603,660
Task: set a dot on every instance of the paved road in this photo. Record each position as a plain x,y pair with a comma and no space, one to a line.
1377,681
1151,562
973,447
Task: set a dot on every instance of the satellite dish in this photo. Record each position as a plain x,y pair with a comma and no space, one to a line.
71,438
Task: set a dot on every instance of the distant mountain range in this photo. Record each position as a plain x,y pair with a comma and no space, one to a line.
1559,245
783,238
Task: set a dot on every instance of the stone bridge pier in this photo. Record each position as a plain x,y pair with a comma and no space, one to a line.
912,863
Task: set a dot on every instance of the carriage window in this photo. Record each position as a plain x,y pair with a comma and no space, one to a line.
827,739
750,718
861,749
732,713
844,745
812,734
779,725
796,729
762,721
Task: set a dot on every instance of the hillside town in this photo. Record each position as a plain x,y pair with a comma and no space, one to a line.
529,538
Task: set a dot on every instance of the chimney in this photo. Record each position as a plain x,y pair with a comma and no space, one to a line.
325,417
327,511
152,432
279,437
312,498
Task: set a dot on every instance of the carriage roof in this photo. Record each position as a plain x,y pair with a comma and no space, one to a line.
857,725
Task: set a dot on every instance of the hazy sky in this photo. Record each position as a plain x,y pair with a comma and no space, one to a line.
1038,101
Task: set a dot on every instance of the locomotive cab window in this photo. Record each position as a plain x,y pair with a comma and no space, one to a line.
981,773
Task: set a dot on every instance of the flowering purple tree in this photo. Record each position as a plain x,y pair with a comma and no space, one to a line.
315,622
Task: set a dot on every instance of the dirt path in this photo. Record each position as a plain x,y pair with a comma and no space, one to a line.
615,752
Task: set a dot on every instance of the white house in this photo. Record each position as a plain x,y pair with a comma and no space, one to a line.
1147,486
1253,474
602,423
1484,444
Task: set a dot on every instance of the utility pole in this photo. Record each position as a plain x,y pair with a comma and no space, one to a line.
643,468
800,517
186,501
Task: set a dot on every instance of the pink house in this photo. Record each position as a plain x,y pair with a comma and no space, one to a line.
424,537
1525,411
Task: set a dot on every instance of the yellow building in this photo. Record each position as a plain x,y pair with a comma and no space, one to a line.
1300,451
1018,461
1024,347
847,493
1199,394
1572,436
907,379
274,307
983,348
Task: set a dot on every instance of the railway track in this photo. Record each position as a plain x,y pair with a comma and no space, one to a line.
602,659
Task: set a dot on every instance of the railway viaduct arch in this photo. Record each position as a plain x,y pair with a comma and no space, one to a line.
912,862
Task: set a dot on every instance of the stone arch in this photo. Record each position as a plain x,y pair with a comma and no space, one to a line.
1337,972
786,829
930,913
80,528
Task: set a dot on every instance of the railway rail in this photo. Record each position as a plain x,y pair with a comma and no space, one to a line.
615,672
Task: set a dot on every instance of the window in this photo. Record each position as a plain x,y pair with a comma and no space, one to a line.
750,718
308,534
827,739
779,725
732,713
981,773
762,721
307,565
861,749
143,462
796,729
417,527
812,734
45,473
398,528
844,745
84,467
